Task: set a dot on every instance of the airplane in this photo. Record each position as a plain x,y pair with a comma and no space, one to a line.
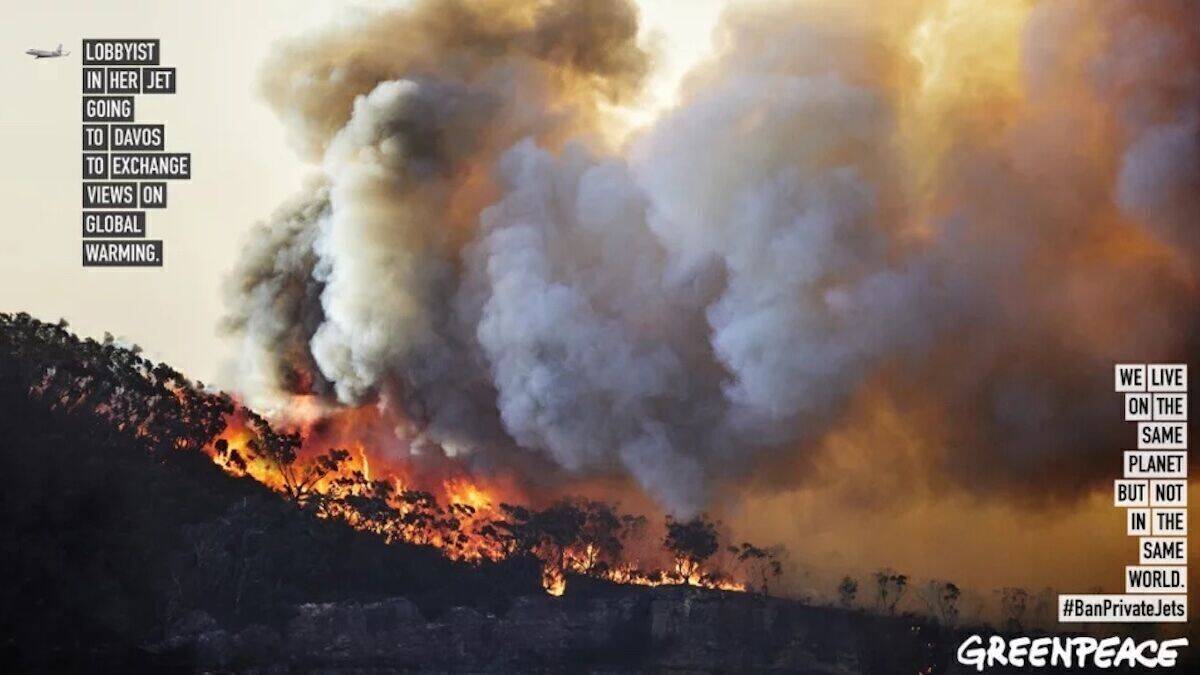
45,54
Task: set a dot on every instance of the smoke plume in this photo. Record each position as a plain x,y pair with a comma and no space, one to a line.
968,211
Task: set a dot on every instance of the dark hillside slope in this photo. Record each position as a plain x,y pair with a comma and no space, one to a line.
107,538
125,549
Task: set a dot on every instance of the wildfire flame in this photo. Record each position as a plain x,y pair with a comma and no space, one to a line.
336,485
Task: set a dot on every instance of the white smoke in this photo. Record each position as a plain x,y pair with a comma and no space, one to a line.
732,225
717,293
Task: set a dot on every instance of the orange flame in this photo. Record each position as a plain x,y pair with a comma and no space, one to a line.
464,530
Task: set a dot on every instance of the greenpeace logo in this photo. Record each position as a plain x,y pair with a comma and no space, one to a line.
1060,652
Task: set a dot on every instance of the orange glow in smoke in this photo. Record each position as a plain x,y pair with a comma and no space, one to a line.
457,514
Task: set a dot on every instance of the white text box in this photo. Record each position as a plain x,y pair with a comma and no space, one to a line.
1129,377
1089,608
1162,551
1139,407
1131,493
1168,493
1137,522
1168,407
1166,377
1168,522
1155,579
1162,435
1156,464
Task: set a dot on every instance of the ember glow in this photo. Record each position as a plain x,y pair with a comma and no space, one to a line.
466,518
449,514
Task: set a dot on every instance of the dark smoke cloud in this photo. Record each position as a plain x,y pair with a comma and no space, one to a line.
823,214
274,299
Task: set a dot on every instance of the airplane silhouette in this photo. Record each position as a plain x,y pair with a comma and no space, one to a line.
45,54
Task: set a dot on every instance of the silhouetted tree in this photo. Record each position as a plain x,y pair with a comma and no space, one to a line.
691,542
890,588
1013,602
941,597
110,390
762,564
847,589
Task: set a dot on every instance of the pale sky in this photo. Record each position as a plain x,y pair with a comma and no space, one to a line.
242,166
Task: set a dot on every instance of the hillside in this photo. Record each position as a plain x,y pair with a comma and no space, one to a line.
128,550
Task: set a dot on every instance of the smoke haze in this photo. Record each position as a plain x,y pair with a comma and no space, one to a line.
950,216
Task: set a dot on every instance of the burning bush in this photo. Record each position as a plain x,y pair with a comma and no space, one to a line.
117,393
